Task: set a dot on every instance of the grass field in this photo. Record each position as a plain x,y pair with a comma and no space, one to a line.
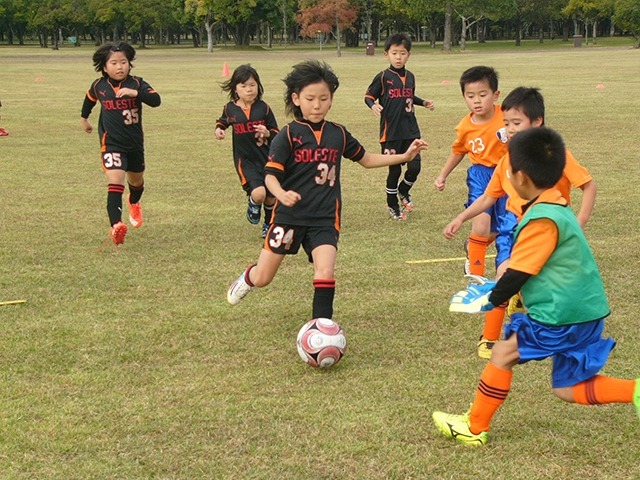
132,365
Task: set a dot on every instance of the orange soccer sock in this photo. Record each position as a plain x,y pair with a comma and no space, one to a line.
492,392
477,250
599,389
493,323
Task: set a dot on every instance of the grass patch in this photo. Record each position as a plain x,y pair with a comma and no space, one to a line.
132,365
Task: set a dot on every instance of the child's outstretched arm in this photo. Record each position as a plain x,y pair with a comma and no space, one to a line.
286,197
374,160
589,191
452,162
482,203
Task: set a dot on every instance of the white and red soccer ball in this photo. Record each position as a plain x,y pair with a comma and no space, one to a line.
321,342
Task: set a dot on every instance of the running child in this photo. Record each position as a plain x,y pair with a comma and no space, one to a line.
523,108
481,135
394,90
303,173
121,96
554,269
253,125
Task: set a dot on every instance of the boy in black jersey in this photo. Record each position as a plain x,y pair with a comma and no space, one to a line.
394,89
303,173
253,125
120,130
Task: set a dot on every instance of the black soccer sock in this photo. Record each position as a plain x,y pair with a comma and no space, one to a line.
392,185
268,210
324,291
404,187
114,202
135,193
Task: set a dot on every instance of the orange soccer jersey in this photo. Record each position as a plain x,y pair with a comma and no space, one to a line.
538,240
499,185
485,143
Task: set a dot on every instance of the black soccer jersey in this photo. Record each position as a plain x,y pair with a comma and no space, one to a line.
247,147
395,91
120,122
306,158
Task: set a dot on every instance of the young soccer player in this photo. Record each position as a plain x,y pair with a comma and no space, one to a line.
3,132
394,90
482,135
554,269
121,96
253,125
523,108
303,172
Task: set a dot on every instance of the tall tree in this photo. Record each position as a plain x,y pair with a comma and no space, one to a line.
322,16
627,17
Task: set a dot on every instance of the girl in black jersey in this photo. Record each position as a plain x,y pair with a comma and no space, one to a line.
253,125
303,173
120,130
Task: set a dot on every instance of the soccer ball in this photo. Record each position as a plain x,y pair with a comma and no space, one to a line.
321,342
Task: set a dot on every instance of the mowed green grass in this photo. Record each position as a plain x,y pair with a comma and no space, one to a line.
132,365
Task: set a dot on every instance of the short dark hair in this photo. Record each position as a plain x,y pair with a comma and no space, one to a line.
526,99
104,52
303,74
477,74
540,154
242,74
398,39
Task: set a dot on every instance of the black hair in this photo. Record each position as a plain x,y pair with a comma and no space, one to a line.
104,52
398,39
526,99
540,154
242,74
478,74
303,74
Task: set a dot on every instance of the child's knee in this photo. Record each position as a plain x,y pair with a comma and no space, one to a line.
258,194
564,393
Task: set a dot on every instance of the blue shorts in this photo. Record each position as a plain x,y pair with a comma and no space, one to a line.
507,224
578,351
478,177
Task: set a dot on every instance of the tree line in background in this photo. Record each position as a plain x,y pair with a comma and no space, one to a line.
243,22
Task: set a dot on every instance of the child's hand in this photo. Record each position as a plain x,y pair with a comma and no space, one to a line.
377,109
429,104
439,183
417,146
86,126
262,131
289,198
220,133
451,229
126,92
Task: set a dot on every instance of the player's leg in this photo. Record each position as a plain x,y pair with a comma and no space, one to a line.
135,179
255,276
495,383
252,180
479,241
393,176
114,164
324,283
410,177
267,206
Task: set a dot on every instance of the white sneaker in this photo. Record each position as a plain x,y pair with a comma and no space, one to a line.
238,290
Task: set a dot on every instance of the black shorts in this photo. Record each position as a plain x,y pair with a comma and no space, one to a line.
251,175
286,239
398,146
129,161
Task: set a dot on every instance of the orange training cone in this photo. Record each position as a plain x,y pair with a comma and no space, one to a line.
225,70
